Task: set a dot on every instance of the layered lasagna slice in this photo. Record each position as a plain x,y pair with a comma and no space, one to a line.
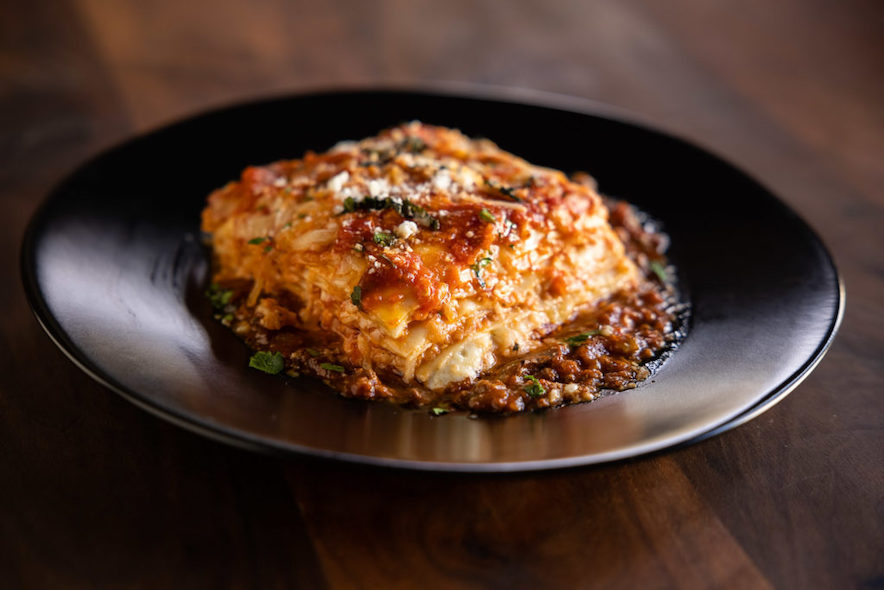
419,257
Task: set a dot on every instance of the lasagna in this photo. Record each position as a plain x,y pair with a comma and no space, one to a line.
430,269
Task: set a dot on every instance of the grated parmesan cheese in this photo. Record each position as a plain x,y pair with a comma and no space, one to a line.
336,182
442,180
377,187
406,229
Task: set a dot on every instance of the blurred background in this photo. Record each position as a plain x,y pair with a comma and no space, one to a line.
725,73
95,493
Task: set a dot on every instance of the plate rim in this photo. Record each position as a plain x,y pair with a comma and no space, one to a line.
219,431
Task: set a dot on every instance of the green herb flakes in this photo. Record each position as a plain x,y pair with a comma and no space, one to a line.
486,216
412,144
403,207
438,411
312,352
356,296
218,297
384,238
269,362
507,191
477,269
331,367
659,270
579,339
256,241
534,388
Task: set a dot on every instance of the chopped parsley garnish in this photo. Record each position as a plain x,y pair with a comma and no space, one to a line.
300,216
534,388
579,339
289,224
403,207
377,156
487,216
659,270
477,269
269,362
438,411
331,367
504,190
218,297
413,144
384,238
312,352
260,240
356,296
227,318
268,248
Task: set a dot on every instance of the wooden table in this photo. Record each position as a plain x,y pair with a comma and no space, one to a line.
94,493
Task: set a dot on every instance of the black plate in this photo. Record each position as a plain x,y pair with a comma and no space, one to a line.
113,268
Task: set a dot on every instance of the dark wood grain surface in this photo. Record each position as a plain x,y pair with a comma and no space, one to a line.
94,493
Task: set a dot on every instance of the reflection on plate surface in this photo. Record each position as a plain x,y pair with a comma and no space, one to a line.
114,270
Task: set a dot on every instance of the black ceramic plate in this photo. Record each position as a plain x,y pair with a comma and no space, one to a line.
114,269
